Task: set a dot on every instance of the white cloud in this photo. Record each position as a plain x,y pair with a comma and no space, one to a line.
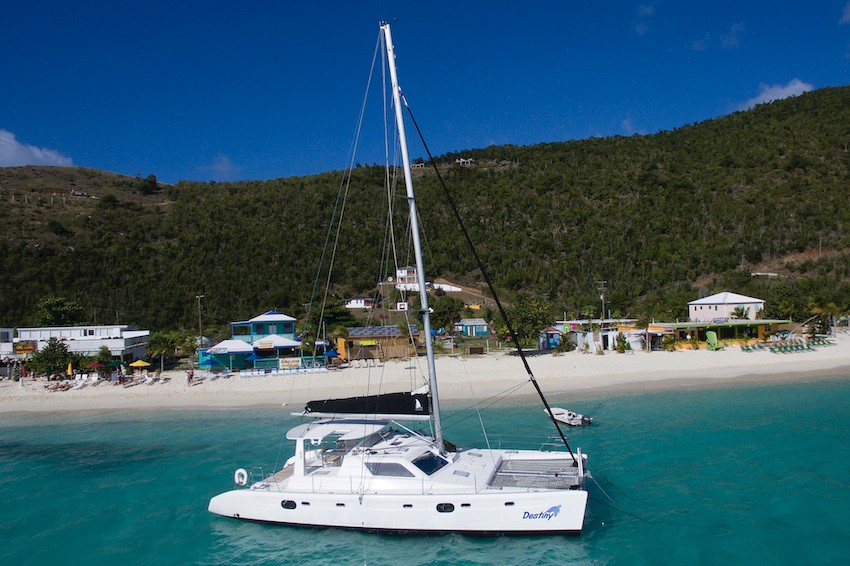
699,44
769,93
644,15
13,152
845,14
729,39
646,9
222,169
732,38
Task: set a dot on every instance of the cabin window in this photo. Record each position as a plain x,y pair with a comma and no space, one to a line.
287,504
340,504
466,505
407,506
445,507
388,469
429,463
509,503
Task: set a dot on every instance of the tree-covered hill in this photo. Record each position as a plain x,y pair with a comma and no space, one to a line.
660,217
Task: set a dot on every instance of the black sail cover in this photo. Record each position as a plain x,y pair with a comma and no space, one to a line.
414,404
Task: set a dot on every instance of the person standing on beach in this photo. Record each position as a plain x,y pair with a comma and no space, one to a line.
190,375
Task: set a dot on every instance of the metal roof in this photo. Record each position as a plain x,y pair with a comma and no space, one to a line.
370,331
275,341
725,298
232,347
272,316
729,322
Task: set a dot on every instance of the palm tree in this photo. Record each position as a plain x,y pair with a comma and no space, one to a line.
52,358
162,344
740,313
825,313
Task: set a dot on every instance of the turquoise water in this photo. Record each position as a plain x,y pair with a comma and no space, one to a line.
744,475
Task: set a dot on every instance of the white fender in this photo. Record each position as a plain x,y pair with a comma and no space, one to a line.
240,476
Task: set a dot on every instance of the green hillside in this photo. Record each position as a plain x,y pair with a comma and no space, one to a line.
660,217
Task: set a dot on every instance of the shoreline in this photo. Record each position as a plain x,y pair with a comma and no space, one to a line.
460,379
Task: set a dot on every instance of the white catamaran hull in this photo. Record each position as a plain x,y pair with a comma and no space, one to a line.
488,513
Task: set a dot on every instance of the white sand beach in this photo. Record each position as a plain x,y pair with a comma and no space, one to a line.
460,378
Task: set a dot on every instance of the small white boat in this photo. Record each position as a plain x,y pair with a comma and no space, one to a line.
570,417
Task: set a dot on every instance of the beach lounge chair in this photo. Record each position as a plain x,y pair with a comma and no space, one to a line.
711,341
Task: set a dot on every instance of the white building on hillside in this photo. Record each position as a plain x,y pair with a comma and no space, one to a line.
406,280
360,303
719,307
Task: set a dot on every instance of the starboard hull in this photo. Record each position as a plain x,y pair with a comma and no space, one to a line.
493,513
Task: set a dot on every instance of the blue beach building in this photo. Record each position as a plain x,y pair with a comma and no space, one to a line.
267,324
264,342
473,327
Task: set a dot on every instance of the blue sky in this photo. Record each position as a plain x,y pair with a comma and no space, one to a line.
217,90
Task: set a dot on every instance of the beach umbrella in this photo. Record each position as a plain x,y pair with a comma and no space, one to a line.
138,364
70,370
94,365
331,353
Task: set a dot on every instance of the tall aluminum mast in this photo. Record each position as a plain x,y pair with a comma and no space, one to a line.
417,247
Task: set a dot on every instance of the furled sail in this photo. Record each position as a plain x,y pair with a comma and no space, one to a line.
388,405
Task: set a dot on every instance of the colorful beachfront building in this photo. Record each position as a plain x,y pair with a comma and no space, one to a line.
377,343
267,324
266,342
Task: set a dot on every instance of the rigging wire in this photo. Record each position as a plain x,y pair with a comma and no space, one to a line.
339,207
467,413
478,412
490,285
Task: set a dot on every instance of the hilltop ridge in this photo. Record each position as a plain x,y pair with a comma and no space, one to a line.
656,216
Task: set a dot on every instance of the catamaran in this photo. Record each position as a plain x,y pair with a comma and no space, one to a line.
359,466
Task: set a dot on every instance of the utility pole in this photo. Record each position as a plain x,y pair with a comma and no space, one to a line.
602,297
200,331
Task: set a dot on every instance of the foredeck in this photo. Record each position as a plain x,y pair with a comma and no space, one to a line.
534,473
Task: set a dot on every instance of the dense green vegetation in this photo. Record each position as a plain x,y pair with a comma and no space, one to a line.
660,217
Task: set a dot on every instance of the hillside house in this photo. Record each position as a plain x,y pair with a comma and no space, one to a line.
361,303
721,306
473,327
